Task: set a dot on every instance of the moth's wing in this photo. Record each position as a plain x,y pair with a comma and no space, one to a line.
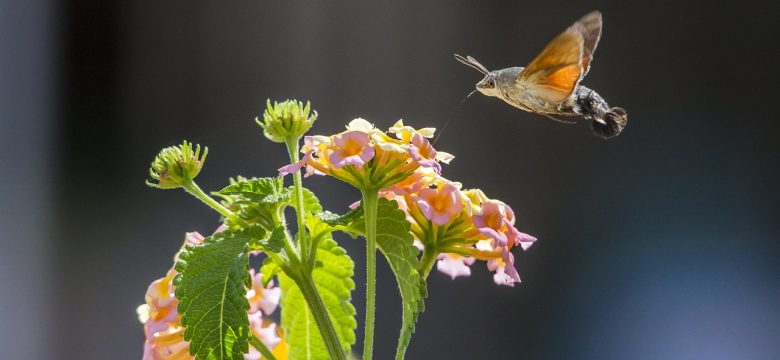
555,72
590,28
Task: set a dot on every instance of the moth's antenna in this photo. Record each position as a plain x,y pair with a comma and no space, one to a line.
475,62
451,115
470,62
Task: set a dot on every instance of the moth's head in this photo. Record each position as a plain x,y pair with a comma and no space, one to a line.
487,85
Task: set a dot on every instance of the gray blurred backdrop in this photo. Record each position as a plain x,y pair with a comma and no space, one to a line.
659,244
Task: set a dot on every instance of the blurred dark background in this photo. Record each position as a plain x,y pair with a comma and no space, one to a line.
659,244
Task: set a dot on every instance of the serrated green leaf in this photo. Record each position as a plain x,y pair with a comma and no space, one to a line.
335,284
260,239
211,288
257,200
275,241
318,228
397,245
260,190
345,221
269,270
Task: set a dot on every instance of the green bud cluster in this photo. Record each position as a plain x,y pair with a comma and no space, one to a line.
174,166
286,120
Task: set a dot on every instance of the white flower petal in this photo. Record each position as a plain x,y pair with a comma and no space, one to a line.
427,132
444,157
143,313
360,124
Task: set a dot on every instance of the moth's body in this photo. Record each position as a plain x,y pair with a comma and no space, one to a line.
521,96
549,85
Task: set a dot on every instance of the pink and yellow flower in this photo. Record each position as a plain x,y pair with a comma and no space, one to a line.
424,153
164,333
351,148
368,158
440,204
262,298
460,226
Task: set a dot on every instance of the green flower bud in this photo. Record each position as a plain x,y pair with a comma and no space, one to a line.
289,119
174,166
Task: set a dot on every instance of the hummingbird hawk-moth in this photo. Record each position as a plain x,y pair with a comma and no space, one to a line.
550,84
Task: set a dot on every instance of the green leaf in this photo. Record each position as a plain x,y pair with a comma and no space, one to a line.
274,243
333,279
396,243
269,270
211,288
260,239
346,222
350,223
257,201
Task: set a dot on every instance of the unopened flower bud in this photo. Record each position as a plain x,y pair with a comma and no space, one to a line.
174,166
286,120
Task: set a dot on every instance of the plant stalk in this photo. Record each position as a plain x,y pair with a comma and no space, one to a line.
306,283
370,204
195,190
427,261
305,243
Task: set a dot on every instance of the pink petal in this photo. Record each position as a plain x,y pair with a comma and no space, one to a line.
289,169
509,268
194,238
337,158
292,168
524,240
454,267
440,218
270,300
499,238
425,208
501,278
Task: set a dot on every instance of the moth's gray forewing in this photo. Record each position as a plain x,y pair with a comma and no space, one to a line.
589,26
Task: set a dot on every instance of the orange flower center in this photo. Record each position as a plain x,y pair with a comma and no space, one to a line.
493,220
440,202
425,152
351,147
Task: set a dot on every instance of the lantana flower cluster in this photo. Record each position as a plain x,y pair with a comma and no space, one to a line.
162,321
369,158
459,226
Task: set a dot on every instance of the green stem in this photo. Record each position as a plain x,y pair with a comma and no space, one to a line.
193,188
306,283
305,243
289,248
370,203
304,278
427,261
257,344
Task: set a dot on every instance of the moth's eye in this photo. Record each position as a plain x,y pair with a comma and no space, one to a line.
491,84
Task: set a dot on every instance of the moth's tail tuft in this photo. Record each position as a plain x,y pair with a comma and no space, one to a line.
615,119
